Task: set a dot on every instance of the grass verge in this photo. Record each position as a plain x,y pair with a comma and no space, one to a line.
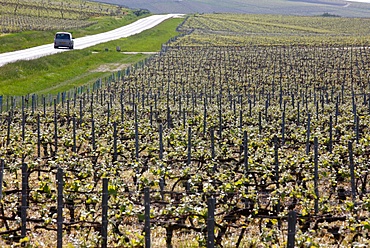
64,71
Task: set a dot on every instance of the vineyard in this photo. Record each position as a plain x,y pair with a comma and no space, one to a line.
20,15
201,145
271,30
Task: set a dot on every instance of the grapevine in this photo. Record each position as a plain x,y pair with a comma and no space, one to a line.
263,130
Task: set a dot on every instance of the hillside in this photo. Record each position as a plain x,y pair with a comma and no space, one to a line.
291,7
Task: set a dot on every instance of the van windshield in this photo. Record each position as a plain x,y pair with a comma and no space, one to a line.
63,36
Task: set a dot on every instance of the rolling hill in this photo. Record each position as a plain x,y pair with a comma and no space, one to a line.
284,7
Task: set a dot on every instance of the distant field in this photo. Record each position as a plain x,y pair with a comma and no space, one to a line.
240,29
285,7
332,3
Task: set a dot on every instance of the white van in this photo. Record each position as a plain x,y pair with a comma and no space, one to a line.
63,39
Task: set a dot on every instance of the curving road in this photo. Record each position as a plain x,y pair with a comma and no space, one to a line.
87,41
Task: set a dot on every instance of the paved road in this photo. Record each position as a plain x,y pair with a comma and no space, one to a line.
87,41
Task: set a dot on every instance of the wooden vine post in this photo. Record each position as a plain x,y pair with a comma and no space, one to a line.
330,145
1,178
189,147
60,208
147,217
211,223
308,146
352,171
55,129
161,182
316,175
292,220
277,206
104,229
24,200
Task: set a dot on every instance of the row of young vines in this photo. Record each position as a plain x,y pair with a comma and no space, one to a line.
20,15
10,23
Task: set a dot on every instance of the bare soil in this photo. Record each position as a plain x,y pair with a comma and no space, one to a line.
111,67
